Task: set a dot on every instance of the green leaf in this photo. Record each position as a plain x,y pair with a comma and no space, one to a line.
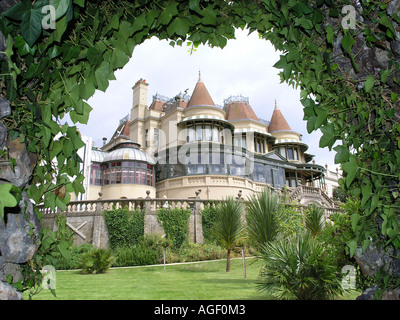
366,191
61,7
321,117
355,217
23,47
369,83
6,198
119,58
17,11
347,42
385,21
63,248
330,35
93,55
209,17
352,244
351,169
328,137
101,74
342,154
31,26
178,26
167,14
194,5
75,137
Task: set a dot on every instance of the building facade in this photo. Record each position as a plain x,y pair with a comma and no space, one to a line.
177,146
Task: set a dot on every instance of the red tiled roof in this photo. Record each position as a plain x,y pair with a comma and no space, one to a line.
200,96
157,105
278,121
239,110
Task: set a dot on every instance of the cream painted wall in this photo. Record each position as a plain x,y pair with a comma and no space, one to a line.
212,187
129,191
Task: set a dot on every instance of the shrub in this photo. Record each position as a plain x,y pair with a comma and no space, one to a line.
124,227
208,217
96,260
313,219
200,252
73,261
335,235
293,270
175,223
135,256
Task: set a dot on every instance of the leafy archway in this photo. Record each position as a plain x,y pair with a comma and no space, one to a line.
342,54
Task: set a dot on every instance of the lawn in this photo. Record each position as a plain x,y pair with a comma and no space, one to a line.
194,281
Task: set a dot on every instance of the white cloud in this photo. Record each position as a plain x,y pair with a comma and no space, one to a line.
244,66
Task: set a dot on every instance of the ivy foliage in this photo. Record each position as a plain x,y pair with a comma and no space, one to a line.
344,61
124,227
175,223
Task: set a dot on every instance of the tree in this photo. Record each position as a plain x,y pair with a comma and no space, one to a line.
262,217
228,228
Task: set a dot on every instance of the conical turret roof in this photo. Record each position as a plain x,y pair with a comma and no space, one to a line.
278,121
200,96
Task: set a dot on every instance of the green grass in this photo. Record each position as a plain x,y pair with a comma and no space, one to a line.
196,281
192,281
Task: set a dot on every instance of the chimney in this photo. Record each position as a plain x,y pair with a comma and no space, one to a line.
140,93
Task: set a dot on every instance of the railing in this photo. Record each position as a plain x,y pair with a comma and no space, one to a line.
151,205
302,191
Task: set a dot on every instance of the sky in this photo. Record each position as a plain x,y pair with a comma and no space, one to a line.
243,67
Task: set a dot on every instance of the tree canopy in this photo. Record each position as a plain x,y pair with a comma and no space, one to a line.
343,55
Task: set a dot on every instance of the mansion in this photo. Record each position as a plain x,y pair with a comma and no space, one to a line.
177,146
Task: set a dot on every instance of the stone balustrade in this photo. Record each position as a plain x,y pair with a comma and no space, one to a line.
85,218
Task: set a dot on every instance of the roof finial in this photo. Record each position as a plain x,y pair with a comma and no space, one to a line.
200,77
276,106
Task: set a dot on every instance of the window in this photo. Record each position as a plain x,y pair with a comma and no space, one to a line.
217,164
176,170
195,165
149,175
215,134
96,175
296,154
199,133
238,166
128,172
244,141
190,137
141,173
290,153
259,145
208,132
259,172
146,137
156,137
282,151
204,132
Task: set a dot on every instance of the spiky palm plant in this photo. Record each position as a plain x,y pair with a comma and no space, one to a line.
293,270
228,228
262,211
313,219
